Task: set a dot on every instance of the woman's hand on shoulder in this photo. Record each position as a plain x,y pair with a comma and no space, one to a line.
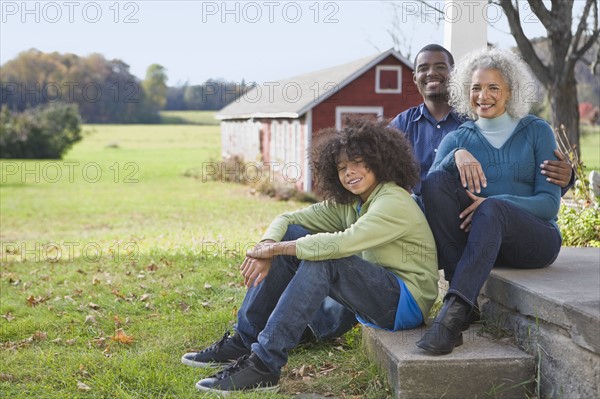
470,170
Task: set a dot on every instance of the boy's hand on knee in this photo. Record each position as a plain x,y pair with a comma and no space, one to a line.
255,270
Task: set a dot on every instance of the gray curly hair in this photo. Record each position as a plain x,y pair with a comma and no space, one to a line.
518,77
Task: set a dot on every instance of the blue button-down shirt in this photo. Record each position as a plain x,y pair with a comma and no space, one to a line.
425,134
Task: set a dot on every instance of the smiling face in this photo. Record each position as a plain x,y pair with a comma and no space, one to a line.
489,93
431,74
356,177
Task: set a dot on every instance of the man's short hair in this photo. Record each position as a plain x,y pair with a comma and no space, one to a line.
435,48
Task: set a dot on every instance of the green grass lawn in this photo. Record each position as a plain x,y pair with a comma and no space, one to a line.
589,142
115,237
189,117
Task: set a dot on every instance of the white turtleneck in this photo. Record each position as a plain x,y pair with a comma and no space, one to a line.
497,130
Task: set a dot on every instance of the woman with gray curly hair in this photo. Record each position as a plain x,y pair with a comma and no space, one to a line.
486,173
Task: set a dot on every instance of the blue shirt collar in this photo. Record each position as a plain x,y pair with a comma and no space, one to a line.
423,112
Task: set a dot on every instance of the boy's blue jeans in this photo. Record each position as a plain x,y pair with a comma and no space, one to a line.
275,313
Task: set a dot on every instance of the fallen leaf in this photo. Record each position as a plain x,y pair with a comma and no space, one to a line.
152,267
6,377
144,297
94,306
34,301
205,304
57,341
8,316
207,286
70,341
117,320
121,337
40,336
95,281
82,387
90,319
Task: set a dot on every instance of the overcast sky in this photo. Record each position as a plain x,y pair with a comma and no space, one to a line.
256,41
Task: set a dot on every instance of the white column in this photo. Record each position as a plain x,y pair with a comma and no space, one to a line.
465,26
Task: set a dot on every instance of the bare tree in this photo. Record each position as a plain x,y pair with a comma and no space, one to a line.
566,48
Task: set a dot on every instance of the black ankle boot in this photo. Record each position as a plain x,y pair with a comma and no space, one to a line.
446,331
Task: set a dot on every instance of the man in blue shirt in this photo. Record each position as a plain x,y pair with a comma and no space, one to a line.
428,123
425,126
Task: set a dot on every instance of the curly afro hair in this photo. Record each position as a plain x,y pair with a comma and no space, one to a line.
384,150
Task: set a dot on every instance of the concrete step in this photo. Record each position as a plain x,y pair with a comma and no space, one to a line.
480,368
554,314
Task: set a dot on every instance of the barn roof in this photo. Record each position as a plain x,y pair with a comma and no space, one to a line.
292,97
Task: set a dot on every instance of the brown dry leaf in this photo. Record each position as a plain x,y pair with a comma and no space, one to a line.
82,387
118,294
77,292
6,377
90,319
152,267
205,304
117,320
56,341
40,336
70,341
94,306
181,276
34,301
81,271
207,286
122,337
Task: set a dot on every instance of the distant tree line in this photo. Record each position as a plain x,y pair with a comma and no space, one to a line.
104,90
212,95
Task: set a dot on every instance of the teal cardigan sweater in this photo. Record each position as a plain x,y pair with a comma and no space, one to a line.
390,231
513,171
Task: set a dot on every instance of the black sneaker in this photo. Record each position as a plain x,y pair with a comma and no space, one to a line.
248,373
222,353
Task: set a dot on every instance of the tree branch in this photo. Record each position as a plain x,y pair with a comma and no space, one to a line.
541,71
540,11
581,27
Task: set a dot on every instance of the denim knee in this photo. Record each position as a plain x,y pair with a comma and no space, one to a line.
490,210
436,183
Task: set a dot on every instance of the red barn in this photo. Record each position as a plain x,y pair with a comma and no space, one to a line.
275,122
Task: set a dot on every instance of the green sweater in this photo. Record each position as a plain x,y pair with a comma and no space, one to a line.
390,231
